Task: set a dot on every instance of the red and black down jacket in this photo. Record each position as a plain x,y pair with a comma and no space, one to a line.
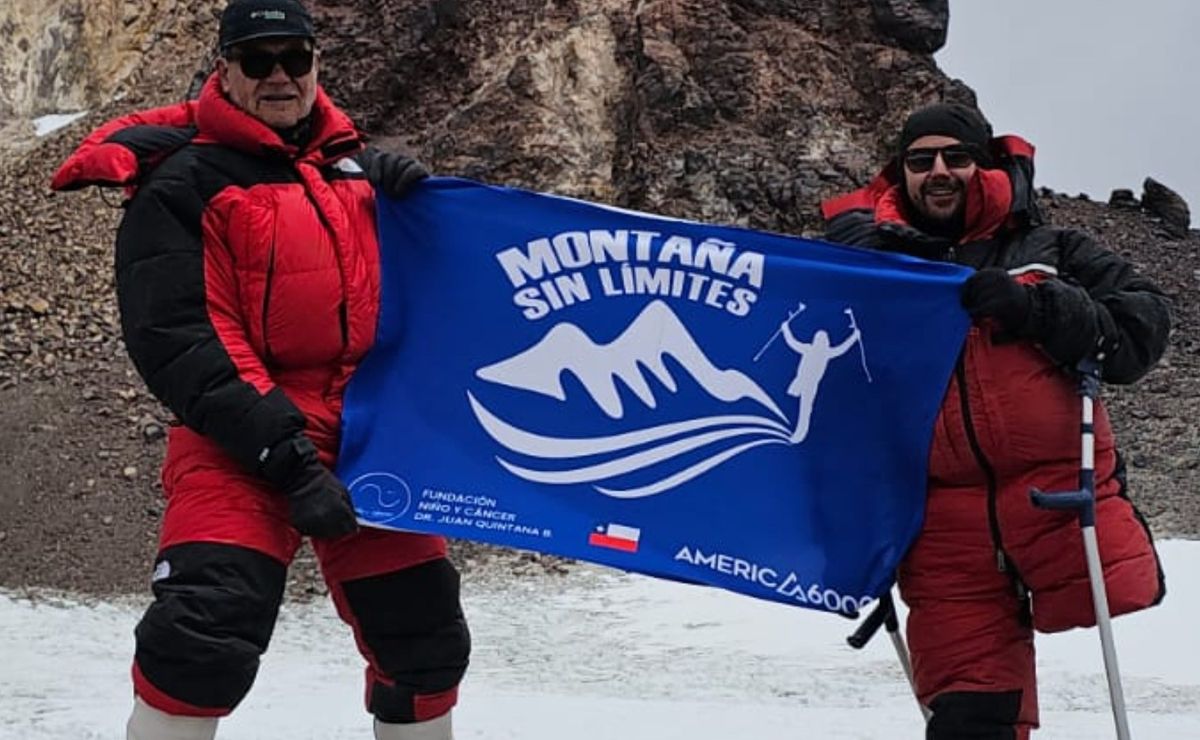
1010,418
247,270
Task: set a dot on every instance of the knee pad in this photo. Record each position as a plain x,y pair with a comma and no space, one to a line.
974,715
411,624
199,643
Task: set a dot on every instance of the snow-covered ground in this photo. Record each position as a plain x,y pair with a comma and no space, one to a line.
598,654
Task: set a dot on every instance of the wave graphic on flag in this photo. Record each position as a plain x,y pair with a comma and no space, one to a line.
656,333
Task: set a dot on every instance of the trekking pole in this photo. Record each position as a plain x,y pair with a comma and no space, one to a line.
862,352
1085,501
884,614
791,315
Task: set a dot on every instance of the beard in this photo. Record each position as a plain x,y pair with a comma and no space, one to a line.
943,197
944,219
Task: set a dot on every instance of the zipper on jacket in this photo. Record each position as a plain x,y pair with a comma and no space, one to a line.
343,315
268,360
1002,561
344,320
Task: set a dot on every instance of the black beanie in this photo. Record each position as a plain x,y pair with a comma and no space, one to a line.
947,119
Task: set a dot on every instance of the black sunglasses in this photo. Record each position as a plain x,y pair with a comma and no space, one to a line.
956,157
258,64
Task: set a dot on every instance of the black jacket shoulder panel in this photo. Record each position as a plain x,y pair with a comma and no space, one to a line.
163,299
210,168
1098,304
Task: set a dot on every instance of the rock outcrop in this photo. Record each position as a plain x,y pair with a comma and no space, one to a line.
68,55
738,112
916,25
1167,205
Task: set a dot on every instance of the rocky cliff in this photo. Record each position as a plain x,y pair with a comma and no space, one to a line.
735,111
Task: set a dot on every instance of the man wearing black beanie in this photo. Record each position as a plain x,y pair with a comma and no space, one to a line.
988,569
936,186
948,119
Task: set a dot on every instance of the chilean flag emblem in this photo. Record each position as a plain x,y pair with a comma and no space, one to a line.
616,537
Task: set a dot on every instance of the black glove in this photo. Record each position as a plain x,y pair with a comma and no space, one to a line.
993,293
856,228
902,238
318,502
391,172
320,507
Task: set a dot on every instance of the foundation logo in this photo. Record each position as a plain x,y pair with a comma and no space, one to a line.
662,456
382,497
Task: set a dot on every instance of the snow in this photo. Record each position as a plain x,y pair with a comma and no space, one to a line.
599,654
49,124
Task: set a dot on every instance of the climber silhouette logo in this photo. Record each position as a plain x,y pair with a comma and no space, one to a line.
815,356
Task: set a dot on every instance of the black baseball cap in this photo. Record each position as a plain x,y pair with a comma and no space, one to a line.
247,20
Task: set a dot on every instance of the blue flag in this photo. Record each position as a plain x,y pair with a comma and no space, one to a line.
696,402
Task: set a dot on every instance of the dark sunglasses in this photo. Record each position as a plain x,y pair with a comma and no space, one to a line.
258,64
956,157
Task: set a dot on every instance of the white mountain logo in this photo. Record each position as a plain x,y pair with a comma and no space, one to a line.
656,333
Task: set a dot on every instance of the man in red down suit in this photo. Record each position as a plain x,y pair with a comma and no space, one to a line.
988,568
248,283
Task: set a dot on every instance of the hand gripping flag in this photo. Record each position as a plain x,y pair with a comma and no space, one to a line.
696,402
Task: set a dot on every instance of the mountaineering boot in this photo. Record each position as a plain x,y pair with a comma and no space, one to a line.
148,723
434,729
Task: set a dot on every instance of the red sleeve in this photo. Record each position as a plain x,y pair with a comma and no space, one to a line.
119,151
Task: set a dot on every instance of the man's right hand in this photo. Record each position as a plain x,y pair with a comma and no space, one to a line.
320,507
318,502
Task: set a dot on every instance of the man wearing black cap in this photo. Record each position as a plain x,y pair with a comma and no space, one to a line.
248,283
268,61
988,568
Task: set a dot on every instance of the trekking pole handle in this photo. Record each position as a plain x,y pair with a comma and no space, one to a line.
1082,501
1063,500
884,613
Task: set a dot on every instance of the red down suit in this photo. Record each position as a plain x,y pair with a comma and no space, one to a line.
1010,422
248,284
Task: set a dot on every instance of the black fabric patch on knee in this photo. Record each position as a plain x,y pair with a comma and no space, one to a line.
412,622
213,613
974,715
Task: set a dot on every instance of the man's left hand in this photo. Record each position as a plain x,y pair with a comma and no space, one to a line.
393,173
993,293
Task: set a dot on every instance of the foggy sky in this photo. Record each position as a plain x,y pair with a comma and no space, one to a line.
1107,90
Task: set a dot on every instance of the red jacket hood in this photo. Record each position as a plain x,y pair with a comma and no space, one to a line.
994,196
221,122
